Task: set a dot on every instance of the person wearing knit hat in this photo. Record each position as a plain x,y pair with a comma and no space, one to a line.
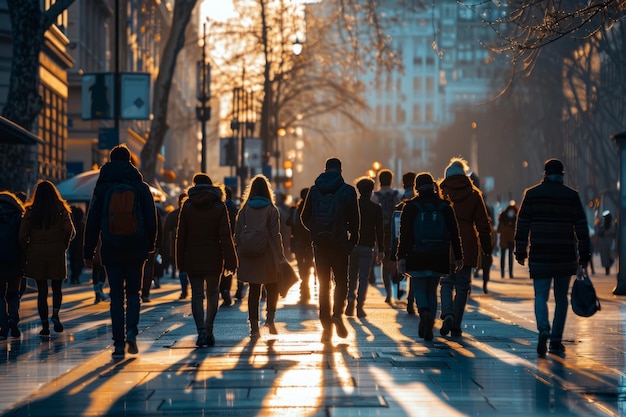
202,178
425,258
551,230
472,216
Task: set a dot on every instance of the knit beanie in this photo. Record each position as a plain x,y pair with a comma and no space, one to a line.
455,168
201,178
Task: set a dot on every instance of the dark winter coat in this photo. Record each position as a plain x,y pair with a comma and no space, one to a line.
371,231
11,253
300,236
260,269
332,182
552,217
112,173
45,249
204,243
506,226
471,215
168,237
435,263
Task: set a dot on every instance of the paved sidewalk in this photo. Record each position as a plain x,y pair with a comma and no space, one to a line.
381,369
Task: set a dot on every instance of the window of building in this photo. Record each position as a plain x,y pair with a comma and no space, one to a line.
400,114
430,84
417,84
52,129
417,113
430,116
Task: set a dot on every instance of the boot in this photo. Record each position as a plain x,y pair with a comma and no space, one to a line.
97,293
45,328
254,330
350,308
269,322
202,339
427,320
58,327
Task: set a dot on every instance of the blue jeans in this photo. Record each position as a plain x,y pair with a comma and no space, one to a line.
425,291
204,286
327,259
125,283
359,272
542,292
460,283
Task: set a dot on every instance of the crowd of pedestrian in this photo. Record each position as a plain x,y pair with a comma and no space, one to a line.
433,235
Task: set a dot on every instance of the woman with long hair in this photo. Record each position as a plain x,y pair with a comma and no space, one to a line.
45,234
258,212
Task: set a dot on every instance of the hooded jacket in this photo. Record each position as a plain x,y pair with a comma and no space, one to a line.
11,254
471,215
204,243
332,182
260,269
111,173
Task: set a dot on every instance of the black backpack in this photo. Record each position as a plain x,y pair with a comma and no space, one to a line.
430,231
328,221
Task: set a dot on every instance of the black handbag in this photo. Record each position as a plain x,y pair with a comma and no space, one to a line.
585,302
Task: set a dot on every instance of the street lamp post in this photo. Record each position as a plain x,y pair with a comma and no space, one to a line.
203,88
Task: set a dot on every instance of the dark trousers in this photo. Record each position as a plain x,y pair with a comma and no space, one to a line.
9,302
304,257
327,260
42,298
125,282
254,297
204,286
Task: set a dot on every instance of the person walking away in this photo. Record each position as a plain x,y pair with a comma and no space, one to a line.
75,252
506,230
45,234
331,214
370,234
152,269
204,248
475,231
300,243
260,250
99,276
487,261
11,264
226,280
606,231
428,230
122,212
388,198
168,242
552,232
408,183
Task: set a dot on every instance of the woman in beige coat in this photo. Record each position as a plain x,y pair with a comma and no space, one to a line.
258,213
45,234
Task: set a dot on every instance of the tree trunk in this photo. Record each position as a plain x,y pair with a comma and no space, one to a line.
159,127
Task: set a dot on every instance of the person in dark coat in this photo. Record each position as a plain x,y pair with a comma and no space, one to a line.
606,231
552,223
11,264
301,246
45,234
506,230
168,245
124,266
429,264
226,280
475,229
408,184
75,252
204,249
258,209
331,254
371,233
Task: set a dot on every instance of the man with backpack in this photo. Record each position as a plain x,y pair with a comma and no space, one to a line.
388,198
122,212
331,214
474,225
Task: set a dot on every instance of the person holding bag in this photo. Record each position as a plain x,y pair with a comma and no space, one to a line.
260,250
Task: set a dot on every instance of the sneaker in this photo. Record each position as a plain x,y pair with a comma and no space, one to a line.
446,327
557,348
542,348
118,353
58,327
340,328
350,308
132,345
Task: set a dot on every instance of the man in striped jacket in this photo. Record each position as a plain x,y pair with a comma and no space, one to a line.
552,218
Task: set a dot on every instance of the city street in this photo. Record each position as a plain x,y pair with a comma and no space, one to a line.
381,369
